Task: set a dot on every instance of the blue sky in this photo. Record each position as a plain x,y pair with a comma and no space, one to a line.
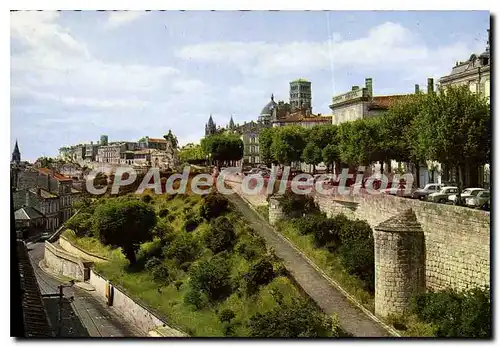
77,75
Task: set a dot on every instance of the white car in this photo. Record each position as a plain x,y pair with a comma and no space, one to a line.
479,200
466,193
428,189
442,195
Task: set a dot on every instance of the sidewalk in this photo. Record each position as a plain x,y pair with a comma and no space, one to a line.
331,300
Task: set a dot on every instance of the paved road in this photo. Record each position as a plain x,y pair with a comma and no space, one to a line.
351,318
86,316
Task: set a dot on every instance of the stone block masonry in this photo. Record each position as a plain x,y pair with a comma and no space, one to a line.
456,245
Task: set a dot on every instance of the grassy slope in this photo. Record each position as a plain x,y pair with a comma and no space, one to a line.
168,300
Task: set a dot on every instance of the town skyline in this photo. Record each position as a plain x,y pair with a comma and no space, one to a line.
134,74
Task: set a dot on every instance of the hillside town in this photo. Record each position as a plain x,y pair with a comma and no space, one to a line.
370,221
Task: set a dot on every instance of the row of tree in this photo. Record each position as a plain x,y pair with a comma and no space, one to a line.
452,127
219,149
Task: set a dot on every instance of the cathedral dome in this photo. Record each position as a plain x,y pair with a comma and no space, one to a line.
268,109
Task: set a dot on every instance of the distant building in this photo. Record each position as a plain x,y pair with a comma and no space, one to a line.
104,140
249,134
111,153
300,95
267,112
48,193
210,127
474,73
16,155
360,103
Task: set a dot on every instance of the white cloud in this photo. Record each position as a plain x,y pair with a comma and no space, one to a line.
118,18
389,46
54,63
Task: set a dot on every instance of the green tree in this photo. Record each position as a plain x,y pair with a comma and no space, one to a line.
288,144
297,319
220,236
330,155
223,149
192,154
312,155
125,224
265,142
81,223
454,128
211,277
184,248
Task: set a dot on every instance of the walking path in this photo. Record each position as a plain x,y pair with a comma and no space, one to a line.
315,283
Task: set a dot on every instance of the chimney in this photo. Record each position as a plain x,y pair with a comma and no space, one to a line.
430,85
417,88
369,87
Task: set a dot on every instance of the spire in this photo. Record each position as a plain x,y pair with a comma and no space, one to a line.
272,97
231,123
16,154
210,128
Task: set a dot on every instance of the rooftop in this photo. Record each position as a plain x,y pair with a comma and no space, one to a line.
43,193
300,80
27,213
299,118
385,101
157,140
34,314
56,175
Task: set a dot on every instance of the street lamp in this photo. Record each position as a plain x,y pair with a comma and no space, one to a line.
60,295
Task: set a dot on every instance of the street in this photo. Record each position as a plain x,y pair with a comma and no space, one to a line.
85,315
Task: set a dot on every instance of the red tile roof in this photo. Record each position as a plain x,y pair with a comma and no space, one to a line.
56,175
300,118
157,140
385,101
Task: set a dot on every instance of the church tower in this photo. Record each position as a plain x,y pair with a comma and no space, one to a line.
210,127
16,154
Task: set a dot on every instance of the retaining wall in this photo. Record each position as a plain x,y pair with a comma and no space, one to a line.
456,239
143,318
65,263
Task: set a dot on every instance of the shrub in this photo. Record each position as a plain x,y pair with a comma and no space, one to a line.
183,248
226,315
247,250
464,314
178,284
151,263
163,212
212,278
192,223
295,204
164,231
213,206
221,235
260,273
147,198
196,298
81,224
161,273
298,319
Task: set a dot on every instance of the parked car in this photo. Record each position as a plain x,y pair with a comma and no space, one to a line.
424,192
466,193
479,200
45,236
442,195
